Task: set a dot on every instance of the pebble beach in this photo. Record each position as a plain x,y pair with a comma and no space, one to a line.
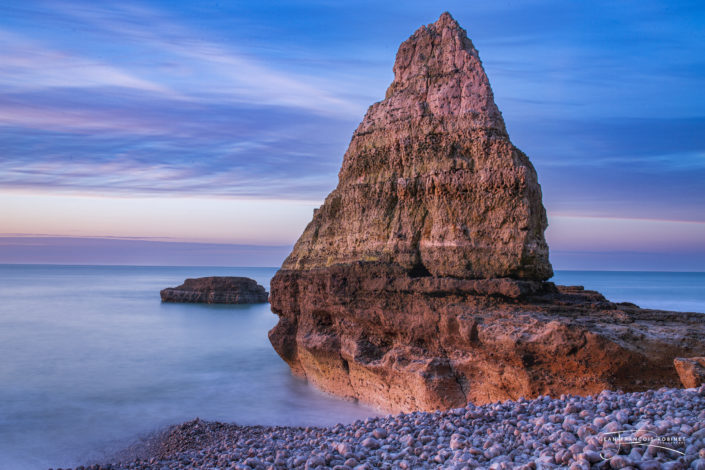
656,429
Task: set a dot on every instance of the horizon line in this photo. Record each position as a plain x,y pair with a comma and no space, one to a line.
115,265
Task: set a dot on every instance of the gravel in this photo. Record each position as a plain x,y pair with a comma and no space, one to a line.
659,429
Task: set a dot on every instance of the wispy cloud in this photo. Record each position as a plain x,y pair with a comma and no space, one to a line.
180,64
567,232
28,65
223,74
255,99
77,120
125,99
220,154
647,144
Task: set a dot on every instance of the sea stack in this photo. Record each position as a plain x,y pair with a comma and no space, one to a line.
420,282
431,182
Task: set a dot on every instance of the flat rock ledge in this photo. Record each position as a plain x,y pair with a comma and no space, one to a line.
646,430
217,290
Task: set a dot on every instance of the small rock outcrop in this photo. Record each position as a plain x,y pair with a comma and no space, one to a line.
691,370
420,283
216,290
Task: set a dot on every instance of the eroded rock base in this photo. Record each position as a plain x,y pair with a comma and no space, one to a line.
372,332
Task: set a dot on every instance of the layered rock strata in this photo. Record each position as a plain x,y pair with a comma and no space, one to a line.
420,282
216,290
430,181
364,332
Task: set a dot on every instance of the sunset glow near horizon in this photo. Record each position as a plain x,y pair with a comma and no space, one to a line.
204,123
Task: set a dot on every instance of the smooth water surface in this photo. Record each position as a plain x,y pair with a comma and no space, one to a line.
684,292
90,359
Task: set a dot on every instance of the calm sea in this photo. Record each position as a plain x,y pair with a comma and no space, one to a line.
90,358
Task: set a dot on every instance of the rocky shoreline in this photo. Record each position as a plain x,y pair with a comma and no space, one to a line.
655,429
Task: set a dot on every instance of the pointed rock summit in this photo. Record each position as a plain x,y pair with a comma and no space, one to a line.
420,282
431,181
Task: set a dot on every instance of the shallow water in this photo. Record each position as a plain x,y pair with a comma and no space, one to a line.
91,358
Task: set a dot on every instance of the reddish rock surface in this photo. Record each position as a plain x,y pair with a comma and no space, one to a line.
431,181
216,290
364,332
691,370
420,282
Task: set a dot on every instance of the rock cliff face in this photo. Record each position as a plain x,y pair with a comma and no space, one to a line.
364,332
430,181
420,282
216,290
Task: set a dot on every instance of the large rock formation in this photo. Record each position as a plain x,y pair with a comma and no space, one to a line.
430,181
216,290
419,284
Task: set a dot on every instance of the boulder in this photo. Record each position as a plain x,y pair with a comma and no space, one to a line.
216,290
691,370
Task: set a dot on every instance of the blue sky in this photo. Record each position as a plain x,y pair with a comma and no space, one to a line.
226,122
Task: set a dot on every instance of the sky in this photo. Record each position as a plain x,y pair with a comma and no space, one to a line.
205,133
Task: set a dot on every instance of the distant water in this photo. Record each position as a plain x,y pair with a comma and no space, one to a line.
684,292
90,358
